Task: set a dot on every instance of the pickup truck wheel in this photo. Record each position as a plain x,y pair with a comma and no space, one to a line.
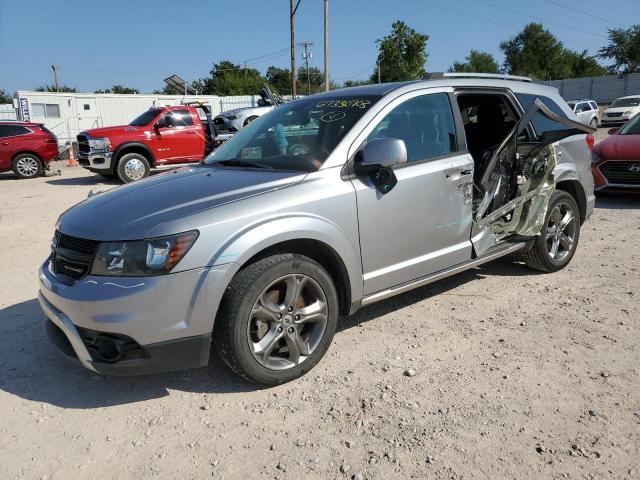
132,167
553,249
27,165
277,319
594,123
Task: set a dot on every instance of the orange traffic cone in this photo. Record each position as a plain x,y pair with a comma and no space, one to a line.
72,160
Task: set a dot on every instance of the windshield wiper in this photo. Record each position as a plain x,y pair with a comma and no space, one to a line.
242,163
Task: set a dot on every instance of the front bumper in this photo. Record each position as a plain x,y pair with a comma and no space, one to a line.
95,160
155,323
616,179
225,126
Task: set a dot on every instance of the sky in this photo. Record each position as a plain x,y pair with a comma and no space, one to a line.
138,43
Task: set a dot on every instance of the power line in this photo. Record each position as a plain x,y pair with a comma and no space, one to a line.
578,10
535,17
488,20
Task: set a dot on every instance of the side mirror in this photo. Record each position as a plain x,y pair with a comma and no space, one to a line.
376,160
612,131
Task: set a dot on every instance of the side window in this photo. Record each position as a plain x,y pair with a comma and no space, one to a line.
540,122
12,130
181,118
594,105
425,124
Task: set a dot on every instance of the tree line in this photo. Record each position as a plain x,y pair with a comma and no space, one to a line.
403,54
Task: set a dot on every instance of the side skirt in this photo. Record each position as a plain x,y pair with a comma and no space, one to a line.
492,254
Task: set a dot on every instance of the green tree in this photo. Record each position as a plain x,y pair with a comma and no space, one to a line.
52,88
356,83
402,54
536,52
623,49
4,97
228,78
477,62
119,89
279,79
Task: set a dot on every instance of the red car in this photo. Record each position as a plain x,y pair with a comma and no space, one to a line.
26,148
615,162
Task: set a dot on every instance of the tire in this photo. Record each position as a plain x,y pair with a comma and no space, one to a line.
249,120
594,123
27,165
132,167
248,318
540,254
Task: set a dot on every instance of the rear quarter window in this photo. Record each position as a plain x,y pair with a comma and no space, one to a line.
540,122
12,130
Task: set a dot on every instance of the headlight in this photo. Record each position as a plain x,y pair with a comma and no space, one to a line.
628,112
99,143
155,256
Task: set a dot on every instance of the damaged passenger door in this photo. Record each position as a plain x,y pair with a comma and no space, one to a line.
514,188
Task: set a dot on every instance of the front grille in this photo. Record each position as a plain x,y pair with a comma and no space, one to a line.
83,143
72,256
622,173
614,114
218,121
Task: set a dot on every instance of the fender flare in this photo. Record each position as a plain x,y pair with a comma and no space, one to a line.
256,237
122,146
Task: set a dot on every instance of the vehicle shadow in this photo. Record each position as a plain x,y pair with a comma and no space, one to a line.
618,201
32,368
88,180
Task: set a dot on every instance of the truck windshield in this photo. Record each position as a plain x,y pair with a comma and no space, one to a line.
298,135
146,117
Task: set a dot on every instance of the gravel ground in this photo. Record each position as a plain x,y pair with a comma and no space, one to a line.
499,372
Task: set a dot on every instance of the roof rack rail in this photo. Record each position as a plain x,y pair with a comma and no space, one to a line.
497,76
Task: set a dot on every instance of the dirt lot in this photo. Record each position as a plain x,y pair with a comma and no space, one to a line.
517,375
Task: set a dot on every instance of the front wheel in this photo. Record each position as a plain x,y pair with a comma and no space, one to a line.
277,318
27,165
132,167
553,249
594,123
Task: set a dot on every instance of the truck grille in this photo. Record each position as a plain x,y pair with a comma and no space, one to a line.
83,143
614,114
622,173
72,256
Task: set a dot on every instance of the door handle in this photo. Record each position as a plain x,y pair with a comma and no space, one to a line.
465,172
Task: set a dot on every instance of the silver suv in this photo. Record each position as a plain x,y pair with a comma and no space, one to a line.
587,111
324,205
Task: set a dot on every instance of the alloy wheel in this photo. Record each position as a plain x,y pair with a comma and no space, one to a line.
27,166
287,322
561,231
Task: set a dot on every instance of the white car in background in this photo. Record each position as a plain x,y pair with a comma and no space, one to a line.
230,122
621,110
586,111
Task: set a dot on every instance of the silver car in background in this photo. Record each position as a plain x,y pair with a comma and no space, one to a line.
621,110
324,205
587,111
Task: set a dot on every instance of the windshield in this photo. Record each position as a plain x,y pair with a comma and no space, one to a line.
298,135
146,117
626,102
631,128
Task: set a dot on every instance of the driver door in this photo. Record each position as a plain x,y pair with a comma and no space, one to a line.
423,224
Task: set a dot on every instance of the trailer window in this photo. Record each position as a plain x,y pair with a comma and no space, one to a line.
46,110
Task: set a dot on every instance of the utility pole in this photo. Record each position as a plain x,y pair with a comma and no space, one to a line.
306,56
55,77
326,45
292,12
379,65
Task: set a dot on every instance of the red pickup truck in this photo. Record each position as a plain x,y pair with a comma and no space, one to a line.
162,137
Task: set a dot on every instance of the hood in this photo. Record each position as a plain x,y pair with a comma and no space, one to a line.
621,109
137,210
619,147
111,131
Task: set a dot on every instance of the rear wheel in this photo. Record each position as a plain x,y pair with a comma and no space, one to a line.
132,167
277,319
27,165
553,249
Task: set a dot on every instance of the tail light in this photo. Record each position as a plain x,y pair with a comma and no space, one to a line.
591,141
